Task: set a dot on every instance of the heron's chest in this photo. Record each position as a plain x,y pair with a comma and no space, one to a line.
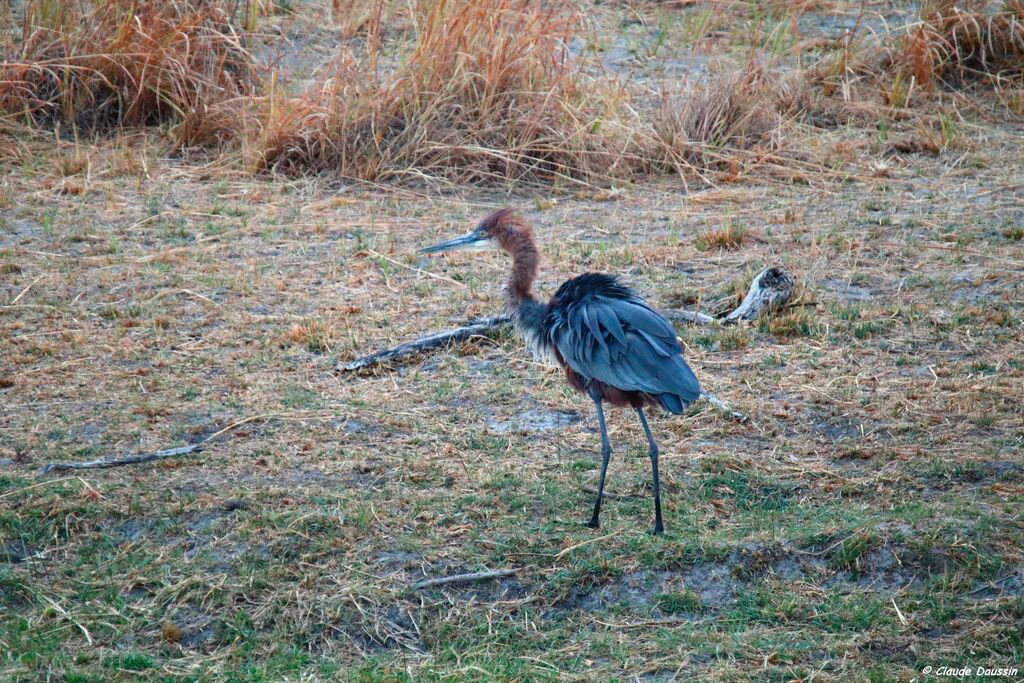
537,342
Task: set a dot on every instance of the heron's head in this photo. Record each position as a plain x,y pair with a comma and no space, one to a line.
502,229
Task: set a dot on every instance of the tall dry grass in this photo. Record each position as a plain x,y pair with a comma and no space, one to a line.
732,118
464,91
487,91
115,63
959,42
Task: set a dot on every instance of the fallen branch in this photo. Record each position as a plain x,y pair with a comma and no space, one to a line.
770,290
148,457
428,343
692,317
723,406
463,578
127,460
439,339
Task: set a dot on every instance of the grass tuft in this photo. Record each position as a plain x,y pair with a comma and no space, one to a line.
733,118
103,66
487,91
957,42
730,236
316,335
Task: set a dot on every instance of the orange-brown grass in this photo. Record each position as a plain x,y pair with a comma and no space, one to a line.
729,236
487,91
118,63
316,335
952,45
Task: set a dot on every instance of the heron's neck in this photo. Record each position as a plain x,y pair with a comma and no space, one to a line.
518,289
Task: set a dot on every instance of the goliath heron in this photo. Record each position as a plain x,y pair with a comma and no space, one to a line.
611,344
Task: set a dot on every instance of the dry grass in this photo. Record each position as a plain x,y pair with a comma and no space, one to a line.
114,64
882,463
732,235
735,116
761,119
918,71
954,43
316,336
487,91
471,92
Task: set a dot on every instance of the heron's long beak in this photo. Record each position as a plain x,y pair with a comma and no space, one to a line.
474,241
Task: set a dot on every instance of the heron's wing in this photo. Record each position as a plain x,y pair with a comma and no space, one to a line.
623,343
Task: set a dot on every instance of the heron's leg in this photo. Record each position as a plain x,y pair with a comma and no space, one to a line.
606,452
658,528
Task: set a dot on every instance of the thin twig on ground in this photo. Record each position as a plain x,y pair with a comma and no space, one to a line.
723,406
568,550
463,578
101,463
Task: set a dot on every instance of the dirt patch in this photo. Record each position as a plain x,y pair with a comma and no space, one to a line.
845,291
885,569
977,287
197,426
196,629
536,420
718,584
380,628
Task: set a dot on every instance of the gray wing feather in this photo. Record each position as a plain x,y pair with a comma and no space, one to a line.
625,344
609,321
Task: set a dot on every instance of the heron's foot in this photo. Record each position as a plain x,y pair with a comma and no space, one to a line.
659,530
594,523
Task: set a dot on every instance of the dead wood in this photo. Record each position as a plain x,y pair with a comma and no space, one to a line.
428,343
102,463
463,578
770,291
444,337
127,460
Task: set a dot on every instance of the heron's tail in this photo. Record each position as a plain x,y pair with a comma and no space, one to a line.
673,404
685,390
